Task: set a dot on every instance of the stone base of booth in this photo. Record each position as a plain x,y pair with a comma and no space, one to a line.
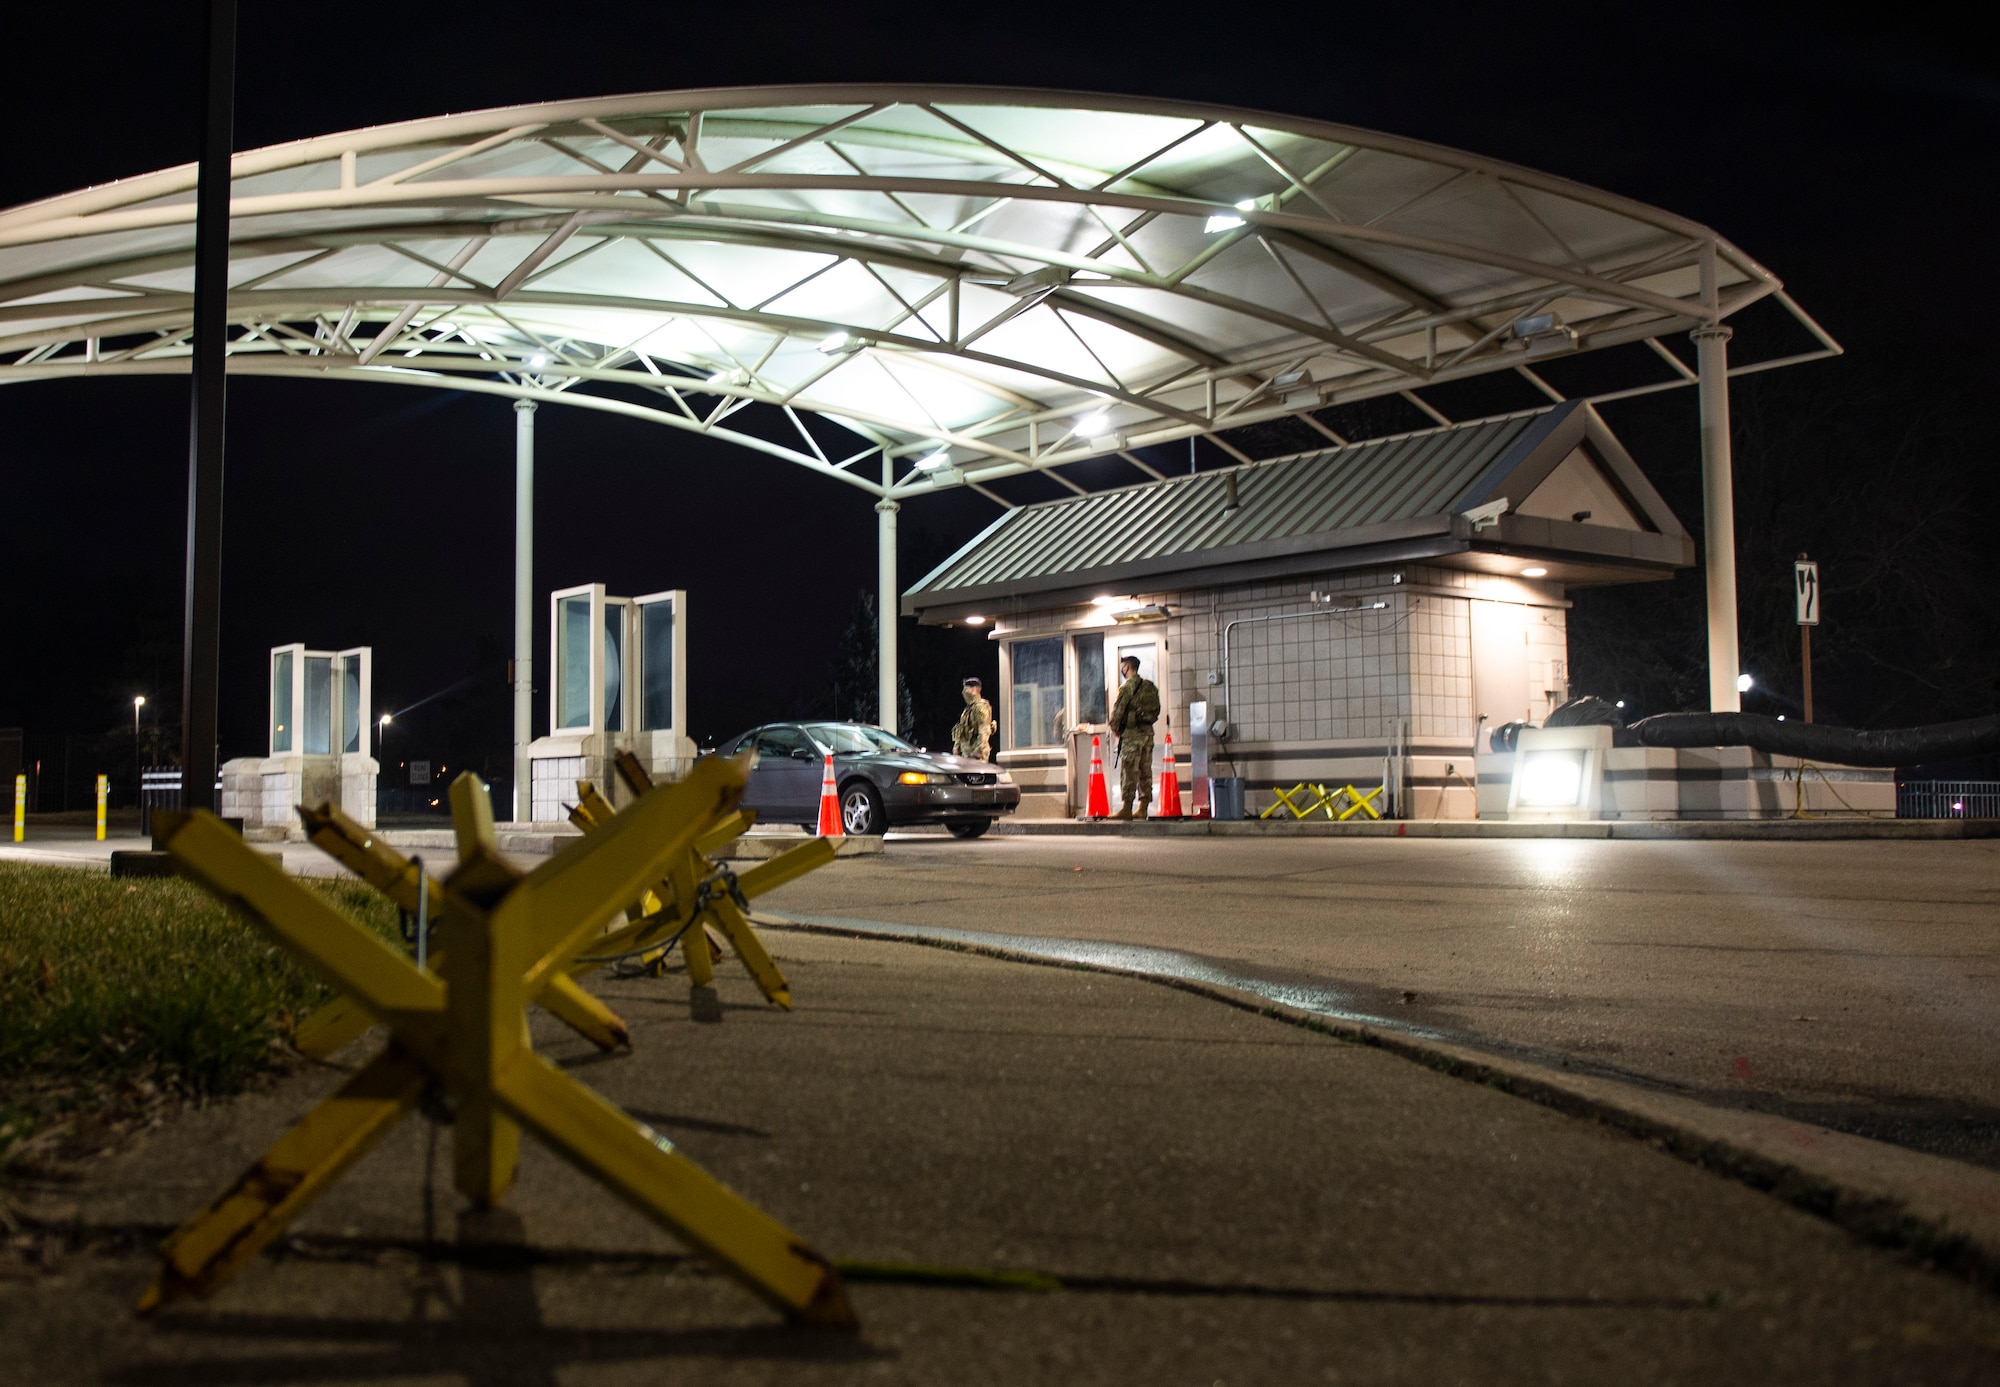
265,791
555,764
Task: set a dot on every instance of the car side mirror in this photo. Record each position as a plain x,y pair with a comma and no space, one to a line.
801,754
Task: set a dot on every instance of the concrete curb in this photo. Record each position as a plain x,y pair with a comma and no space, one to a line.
751,847
1942,1211
1810,830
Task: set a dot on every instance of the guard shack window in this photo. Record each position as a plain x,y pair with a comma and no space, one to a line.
573,687
656,657
1038,691
1090,686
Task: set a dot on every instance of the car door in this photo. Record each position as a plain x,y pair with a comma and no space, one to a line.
785,785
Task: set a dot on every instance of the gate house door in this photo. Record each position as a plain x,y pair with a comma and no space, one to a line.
1147,650
1499,665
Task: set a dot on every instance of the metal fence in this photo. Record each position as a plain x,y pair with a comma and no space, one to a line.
1948,799
160,788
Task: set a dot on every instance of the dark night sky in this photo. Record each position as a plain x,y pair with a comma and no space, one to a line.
1857,164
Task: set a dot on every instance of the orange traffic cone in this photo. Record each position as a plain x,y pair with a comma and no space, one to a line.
1099,806
1170,784
829,803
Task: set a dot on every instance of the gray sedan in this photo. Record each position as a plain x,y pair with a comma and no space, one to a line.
880,779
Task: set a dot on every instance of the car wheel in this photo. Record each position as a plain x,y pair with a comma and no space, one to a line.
969,828
861,810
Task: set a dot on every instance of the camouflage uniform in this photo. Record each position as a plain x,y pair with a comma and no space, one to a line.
1132,719
973,735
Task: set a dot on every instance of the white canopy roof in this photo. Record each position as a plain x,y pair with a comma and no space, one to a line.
975,283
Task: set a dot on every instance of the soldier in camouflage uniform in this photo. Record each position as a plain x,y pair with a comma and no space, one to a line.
973,736
1132,719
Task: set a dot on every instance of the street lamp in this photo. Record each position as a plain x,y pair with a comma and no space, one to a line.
138,761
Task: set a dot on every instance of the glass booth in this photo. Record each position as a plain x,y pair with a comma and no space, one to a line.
618,684
317,727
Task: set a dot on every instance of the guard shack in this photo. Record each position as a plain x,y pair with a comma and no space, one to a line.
318,739
620,666
1382,602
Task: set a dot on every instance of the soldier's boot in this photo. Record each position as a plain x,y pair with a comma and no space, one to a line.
1125,813
1144,810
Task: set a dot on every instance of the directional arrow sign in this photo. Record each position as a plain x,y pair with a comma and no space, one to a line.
1805,587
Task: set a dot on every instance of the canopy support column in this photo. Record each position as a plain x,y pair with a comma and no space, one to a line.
201,639
524,604
1718,498
886,602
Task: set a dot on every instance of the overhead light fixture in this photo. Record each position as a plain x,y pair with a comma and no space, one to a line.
1106,600
1536,572
1136,613
1221,221
941,458
538,360
1743,683
1535,325
735,377
1095,424
836,343
975,621
387,718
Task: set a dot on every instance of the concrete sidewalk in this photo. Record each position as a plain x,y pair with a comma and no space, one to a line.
1225,1197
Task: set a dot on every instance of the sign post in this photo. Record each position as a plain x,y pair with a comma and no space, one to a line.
1805,588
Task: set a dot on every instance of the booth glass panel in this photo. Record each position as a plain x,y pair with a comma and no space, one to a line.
656,654
614,667
350,705
281,702
319,705
573,663
1038,691
1090,687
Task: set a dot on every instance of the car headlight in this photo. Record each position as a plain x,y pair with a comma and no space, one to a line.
1006,777
914,778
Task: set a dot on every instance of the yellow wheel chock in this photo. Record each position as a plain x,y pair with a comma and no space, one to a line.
508,940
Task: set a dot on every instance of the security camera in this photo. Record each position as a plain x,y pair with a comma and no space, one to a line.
1487,515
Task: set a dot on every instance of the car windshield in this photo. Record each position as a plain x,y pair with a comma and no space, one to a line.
853,738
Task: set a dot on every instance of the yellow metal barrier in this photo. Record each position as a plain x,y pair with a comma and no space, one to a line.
1325,801
509,940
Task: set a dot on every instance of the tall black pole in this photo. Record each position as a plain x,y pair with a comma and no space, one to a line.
203,616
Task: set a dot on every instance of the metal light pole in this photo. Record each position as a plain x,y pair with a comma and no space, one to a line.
138,759
202,626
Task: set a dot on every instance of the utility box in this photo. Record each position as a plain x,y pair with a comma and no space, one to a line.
318,738
620,684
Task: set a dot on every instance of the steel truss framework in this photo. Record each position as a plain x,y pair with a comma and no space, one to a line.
975,283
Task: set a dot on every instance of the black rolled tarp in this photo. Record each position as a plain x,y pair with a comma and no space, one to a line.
1901,746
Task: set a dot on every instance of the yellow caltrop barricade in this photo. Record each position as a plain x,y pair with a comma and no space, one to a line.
697,892
656,919
508,937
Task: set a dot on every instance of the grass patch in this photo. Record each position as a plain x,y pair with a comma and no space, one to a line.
119,998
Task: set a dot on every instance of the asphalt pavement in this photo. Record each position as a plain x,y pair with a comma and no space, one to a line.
1851,984
1221,1198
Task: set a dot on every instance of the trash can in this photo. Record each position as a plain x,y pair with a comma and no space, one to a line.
1226,795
